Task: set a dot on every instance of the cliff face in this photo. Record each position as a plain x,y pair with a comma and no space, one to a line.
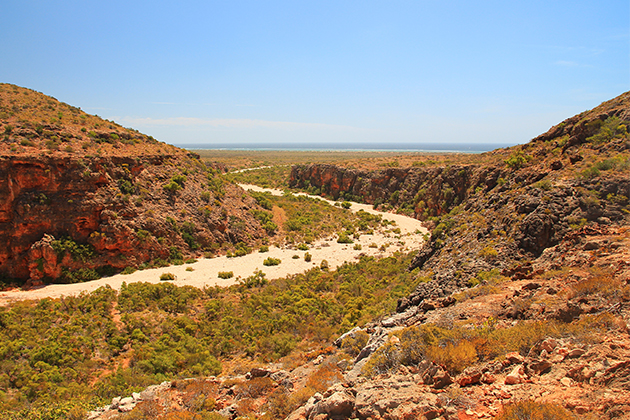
62,214
419,192
81,197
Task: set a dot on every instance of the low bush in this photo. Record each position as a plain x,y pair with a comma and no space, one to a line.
460,347
517,160
344,238
226,274
167,276
269,261
354,343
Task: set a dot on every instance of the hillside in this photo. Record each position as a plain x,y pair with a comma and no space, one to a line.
82,197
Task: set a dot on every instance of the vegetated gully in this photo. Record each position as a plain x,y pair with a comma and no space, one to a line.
381,243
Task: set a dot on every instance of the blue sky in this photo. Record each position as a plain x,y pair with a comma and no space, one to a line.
305,72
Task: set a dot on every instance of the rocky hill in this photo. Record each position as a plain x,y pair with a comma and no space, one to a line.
506,209
82,197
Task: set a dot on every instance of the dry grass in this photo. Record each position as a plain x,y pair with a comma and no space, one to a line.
459,347
603,285
531,410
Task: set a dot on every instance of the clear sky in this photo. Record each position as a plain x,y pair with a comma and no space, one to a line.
305,72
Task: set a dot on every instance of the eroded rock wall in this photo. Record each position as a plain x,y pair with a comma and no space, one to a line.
116,209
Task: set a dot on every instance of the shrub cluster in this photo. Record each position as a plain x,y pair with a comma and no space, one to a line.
69,349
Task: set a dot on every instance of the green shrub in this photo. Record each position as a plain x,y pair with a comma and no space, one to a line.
77,276
270,227
129,270
517,159
489,252
264,248
172,187
167,276
226,274
344,238
384,360
302,247
256,280
543,184
143,235
611,128
308,257
78,252
354,343
269,261
125,186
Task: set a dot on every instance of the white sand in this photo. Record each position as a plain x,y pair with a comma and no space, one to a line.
205,271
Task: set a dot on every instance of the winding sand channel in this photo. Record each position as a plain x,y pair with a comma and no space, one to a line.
205,271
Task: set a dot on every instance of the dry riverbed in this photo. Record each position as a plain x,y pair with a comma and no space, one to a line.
204,272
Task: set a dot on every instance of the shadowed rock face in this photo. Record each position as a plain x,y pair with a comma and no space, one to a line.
423,192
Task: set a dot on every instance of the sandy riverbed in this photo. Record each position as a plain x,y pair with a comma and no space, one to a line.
205,271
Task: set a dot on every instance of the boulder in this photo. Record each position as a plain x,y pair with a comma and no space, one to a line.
259,373
442,379
516,376
469,378
339,404
540,366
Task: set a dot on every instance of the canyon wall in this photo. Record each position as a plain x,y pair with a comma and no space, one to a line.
60,215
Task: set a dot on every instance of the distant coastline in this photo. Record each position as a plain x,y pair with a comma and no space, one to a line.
351,147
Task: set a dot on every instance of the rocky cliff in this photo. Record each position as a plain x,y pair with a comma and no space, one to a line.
82,197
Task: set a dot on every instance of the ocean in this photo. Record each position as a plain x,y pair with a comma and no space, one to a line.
351,147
